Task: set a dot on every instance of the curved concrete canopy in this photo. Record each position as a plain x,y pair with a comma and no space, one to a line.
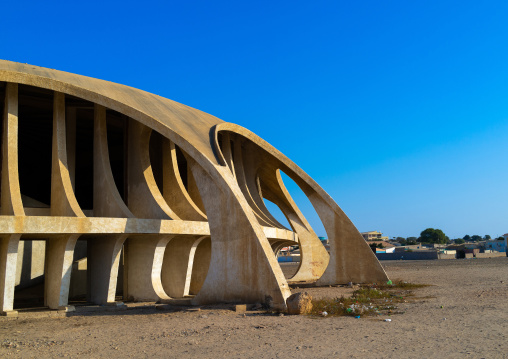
161,222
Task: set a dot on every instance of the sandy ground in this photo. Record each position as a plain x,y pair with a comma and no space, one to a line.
473,323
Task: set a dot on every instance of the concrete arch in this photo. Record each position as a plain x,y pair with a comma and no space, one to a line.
351,259
223,201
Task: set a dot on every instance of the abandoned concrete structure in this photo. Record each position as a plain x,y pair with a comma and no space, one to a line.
175,194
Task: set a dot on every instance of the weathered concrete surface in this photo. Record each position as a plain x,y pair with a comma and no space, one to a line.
143,266
205,191
59,256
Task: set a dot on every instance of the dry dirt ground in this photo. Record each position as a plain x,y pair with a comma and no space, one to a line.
472,323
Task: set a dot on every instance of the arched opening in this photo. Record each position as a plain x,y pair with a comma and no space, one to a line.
305,206
185,266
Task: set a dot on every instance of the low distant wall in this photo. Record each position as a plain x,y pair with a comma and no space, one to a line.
491,255
446,256
411,256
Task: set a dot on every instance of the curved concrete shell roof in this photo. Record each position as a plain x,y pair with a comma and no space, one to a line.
157,112
209,237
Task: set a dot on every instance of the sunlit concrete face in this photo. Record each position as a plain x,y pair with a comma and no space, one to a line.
171,194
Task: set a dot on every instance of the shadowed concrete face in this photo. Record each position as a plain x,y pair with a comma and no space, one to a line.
179,192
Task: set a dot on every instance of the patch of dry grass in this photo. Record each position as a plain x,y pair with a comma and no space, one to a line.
373,299
398,284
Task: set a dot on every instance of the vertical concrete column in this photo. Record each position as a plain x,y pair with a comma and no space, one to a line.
173,190
11,199
63,199
11,195
59,257
175,266
145,198
9,256
142,268
103,260
60,249
107,201
200,265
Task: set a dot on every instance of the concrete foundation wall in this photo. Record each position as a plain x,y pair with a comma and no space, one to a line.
446,256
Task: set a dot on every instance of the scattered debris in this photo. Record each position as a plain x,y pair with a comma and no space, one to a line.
372,299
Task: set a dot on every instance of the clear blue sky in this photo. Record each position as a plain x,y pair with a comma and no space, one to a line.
398,109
